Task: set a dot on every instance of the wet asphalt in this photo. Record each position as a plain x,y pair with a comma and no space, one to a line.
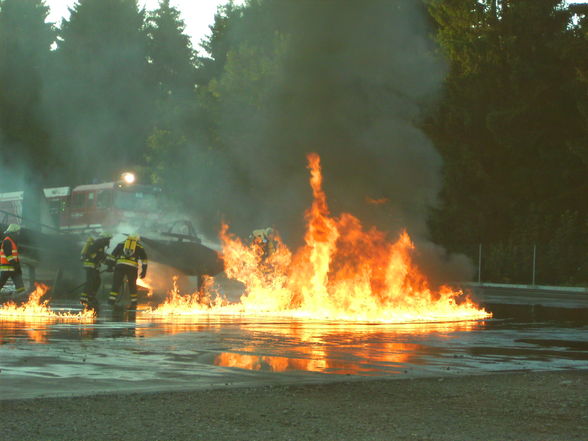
139,352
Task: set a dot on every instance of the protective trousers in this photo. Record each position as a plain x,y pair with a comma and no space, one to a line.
16,277
88,297
120,272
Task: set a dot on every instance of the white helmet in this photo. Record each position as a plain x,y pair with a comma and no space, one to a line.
12,228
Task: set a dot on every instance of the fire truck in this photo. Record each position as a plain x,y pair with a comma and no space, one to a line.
106,206
95,207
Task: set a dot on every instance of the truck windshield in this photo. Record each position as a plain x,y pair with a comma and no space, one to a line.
135,201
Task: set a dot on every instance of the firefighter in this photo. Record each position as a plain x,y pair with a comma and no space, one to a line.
264,238
10,260
93,255
125,258
272,242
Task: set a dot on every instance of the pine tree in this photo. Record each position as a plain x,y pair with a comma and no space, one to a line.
505,124
171,56
25,42
219,42
106,103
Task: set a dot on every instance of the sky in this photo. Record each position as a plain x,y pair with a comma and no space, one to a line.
197,14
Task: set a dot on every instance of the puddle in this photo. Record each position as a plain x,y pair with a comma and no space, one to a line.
44,358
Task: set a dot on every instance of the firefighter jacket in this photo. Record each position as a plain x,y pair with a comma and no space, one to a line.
9,258
130,252
265,240
94,252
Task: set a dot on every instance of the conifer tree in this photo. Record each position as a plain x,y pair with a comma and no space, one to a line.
504,128
106,104
170,53
25,42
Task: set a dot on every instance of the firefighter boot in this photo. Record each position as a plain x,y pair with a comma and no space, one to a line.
21,295
134,300
118,313
93,304
132,315
84,300
112,298
6,297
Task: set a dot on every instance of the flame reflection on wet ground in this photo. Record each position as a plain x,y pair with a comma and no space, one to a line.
316,346
148,353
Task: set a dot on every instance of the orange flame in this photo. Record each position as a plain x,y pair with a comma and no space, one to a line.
202,301
36,309
147,285
342,272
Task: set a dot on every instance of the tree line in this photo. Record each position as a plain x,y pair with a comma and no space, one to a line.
498,87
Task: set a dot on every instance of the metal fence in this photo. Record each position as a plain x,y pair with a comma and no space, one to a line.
533,264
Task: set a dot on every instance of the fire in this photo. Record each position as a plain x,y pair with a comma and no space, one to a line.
147,285
201,301
342,272
36,309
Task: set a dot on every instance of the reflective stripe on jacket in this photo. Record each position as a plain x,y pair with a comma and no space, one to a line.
125,261
6,261
94,252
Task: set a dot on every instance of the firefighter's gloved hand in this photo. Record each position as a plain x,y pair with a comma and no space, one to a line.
143,274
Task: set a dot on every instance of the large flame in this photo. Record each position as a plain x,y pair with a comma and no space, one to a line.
200,301
147,285
343,272
38,310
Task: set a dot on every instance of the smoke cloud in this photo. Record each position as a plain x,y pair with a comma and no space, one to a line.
350,87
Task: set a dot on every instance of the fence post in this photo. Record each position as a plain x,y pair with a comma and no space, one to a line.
534,261
480,264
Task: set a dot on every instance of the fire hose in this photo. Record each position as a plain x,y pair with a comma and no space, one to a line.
83,284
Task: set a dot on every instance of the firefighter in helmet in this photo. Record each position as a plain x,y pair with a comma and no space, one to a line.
10,260
93,255
125,258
